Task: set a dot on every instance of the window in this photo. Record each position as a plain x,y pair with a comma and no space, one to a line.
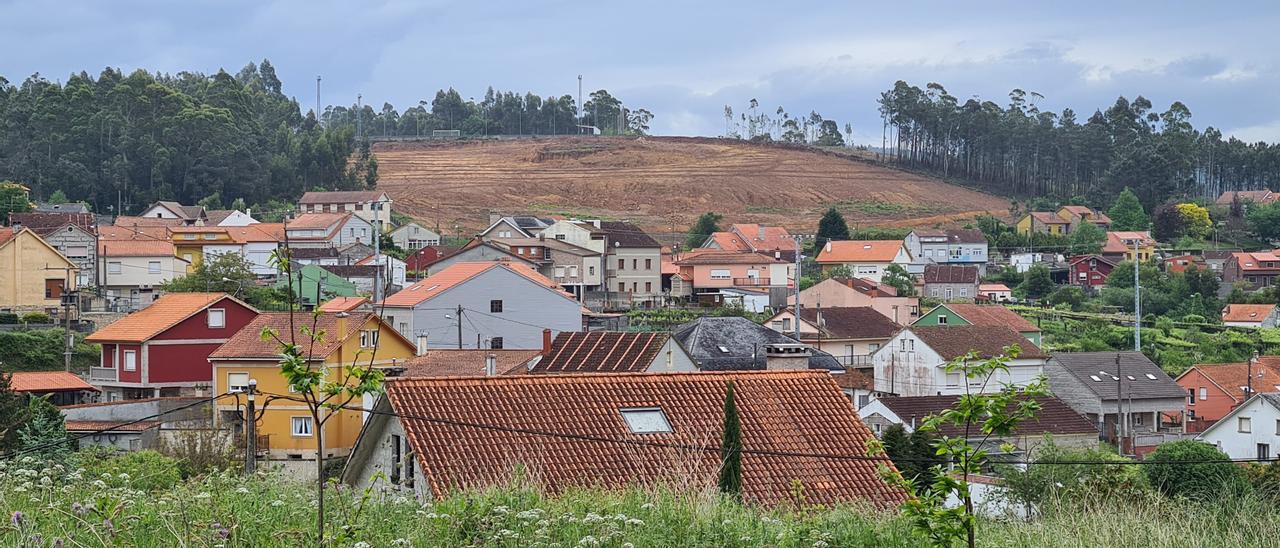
237,382
942,319
873,347
360,206
410,465
1204,393
1191,396
559,271
210,236
648,287
1137,419
776,325
495,306
188,236
217,318
77,251
495,343
591,271
1244,425
404,328
53,288
633,287
369,338
953,379
908,345
301,426
964,292
113,267
719,274
130,360
519,251
622,264
634,263
786,324
622,287
1278,427
1264,451
648,264
560,237
153,267
863,400
646,420
395,460
877,425
573,271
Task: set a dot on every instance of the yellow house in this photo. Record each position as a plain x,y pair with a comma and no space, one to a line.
191,243
1120,244
286,431
33,274
1044,222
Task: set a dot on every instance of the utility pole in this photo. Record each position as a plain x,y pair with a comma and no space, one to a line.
318,111
459,327
251,430
795,287
581,112
64,296
377,250
359,120
1249,383
1119,408
1137,299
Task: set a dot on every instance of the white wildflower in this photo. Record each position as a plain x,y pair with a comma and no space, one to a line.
589,541
277,503
243,490
646,506
500,510
634,521
592,517
203,496
401,542
123,475
361,544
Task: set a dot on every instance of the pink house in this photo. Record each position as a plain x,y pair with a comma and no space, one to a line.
717,269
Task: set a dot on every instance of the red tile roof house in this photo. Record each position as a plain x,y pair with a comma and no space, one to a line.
1256,196
714,269
773,241
865,258
617,430
1214,390
910,364
1089,270
836,292
612,352
61,387
850,333
420,259
163,350
1055,418
1250,315
1257,270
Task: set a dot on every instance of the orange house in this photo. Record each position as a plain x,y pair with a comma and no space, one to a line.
1213,390
716,268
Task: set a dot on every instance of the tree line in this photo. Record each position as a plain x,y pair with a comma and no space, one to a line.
755,124
1029,152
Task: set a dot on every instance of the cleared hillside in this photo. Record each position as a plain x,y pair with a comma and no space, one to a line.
660,181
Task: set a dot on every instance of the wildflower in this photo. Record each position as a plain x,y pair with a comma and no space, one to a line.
100,484
628,545
36,539
500,510
589,541
400,542
820,544
203,496
16,519
57,543
277,503
744,538
592,517
646,506
123,475
243,490
361,544
78,509
634,521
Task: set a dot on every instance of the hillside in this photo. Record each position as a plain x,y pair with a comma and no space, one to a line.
658,181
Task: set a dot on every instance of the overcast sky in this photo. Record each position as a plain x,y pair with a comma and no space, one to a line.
685,60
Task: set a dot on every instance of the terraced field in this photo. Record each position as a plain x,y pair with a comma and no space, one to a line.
660,183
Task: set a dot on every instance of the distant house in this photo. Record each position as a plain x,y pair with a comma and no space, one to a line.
313,284
1054,418
952,247
184,214
1257,269
1213,390
1249,315
732,343
1090,270
34,275
363,276
1250,431
1216,259
134,425
412,236
950,282
1076,215
1044,222
576,268
849,292
613,352
60,387
633,262
773,241
229,217
372,206
1181,263
864,258
419,260
347,304
393,271
911,363
1260,197
515,226
489,426
476,251
132,271
70,207
996,293
851,334
256,242
1120,246
712,269
328,230
72,234
471,362
1090,381
314,255
985,315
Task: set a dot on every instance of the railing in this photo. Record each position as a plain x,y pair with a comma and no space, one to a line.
103,374
862,360
751,282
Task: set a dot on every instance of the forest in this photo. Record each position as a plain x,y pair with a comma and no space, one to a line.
1021,150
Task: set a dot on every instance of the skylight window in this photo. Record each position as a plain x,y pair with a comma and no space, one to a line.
1151,377
1095,378
646,420
1131,377
723,349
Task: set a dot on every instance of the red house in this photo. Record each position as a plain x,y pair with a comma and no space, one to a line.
163,350
420,259
1213,390
1090,270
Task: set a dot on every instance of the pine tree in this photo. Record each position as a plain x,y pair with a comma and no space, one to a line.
13,413
731,448
45,435
706,224
1127,213
832,227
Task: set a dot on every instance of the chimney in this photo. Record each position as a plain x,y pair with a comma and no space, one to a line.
759,232
490,365
422,344
342,323
786,356
546,342
827,247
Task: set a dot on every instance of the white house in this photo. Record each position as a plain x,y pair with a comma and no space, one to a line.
328,230
371,205
1250,315
174,210
413,236
864,258
911,363
1250,431
954,246
230,217
131,271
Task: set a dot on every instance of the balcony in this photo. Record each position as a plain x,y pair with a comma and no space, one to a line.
107,374
751,282
861,360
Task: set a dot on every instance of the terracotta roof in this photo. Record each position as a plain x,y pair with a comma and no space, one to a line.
467,362
727,241
43,223
216,216
455,274
708,256
1247,312
775,237
124,220
47,381
869,288
625,234
6,234
341,197
990,314
860,251
1099,258
953,341
135,248
853,379
1253,261
850,322
184,211
1231,376
1143,379
259,232
601,352
1116,241
248,344
1054,417
1047,218
951,274
115,232
993,287
343,304
780,411
167,311
1259,196
313,221
110,426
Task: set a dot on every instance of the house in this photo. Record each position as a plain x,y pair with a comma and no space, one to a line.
134,425
229,217
1054,418
312,284
952,246
950,282
482,305
1075,215
575,268
1090,381
184,214
363,276
33,274
314,255
1120,245
347,304
713,269
328,230
412,237
194,244
470,362
132,271
615,430
256,242
353,252
980,314
72,234
1213,390
60,387
394,273
285,427
858,384
371,206
996,293
633,262
1249,315
1251,431
1256,270
852,292
612,352
418,260
773,241
515,226
1216,259
477,251
1260,197
864,258
911,363
732,343
850,333
163,349
68,207
1022,262
1089,271
1179,264
1044,222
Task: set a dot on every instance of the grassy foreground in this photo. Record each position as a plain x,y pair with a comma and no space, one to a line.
54,506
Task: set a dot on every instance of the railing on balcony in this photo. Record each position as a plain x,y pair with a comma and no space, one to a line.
103,374
861,360
751,282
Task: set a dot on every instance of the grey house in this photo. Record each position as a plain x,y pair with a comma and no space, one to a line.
955,246
478,251
951,282
72,234
1090,381
412,237
733,343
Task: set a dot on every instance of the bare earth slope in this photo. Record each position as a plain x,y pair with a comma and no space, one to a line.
658,182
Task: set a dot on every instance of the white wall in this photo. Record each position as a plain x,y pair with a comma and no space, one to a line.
917,371
1264,428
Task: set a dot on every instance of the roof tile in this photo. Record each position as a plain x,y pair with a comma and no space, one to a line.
167,311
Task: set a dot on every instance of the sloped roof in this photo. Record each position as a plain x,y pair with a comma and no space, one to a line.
626,234
601,352
1258,196
124,232
870,288
727,241
456,274
67,207
352,270
850,322
860,251
1054,417
853,379
1116,241
734,343
1047,218
709,256
313,252
44,223
991,314
248,344
467,362
124,220
184,211
47,381
258,232
111,426
343,304
571,430
1247,312
953,341
954,235
993,287
341,197
1099,258
167,311
1253,261
1232,376
775,237
135,248
1149,381
951,274
314,221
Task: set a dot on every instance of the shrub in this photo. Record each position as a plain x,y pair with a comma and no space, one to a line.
1265,479
1040,485
36,317
145,470
1179,469
1068,295
1194,318
200,452
8,318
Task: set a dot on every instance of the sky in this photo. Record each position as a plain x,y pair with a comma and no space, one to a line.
684,61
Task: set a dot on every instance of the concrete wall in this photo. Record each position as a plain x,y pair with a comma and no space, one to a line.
527,308
634,275
1264,429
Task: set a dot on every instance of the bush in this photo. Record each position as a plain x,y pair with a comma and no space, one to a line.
201,452
1265,479
1194,318
36,317
1068,295
1039,485
145,470
1170,473
8,318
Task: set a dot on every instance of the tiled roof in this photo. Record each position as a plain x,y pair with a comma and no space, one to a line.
851,322
259,232
860,251
1116,241
1148,380
146,221
951,274
167,311
313,221
869,288
183,211
954,235
72,207
313,252
601,352
6,234
467,362
1247,312
552,243
1047,218
1054,417
708,256
737,344
43,223
47,381
455,274
775,237
853,379
526,420
110,426
1259,196
1253,261
991,314
953,341
993,287
118,232
625,234
215,216
248,344
340,197
135,248
1098,258
1232,376
343,304
727,241
352,270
